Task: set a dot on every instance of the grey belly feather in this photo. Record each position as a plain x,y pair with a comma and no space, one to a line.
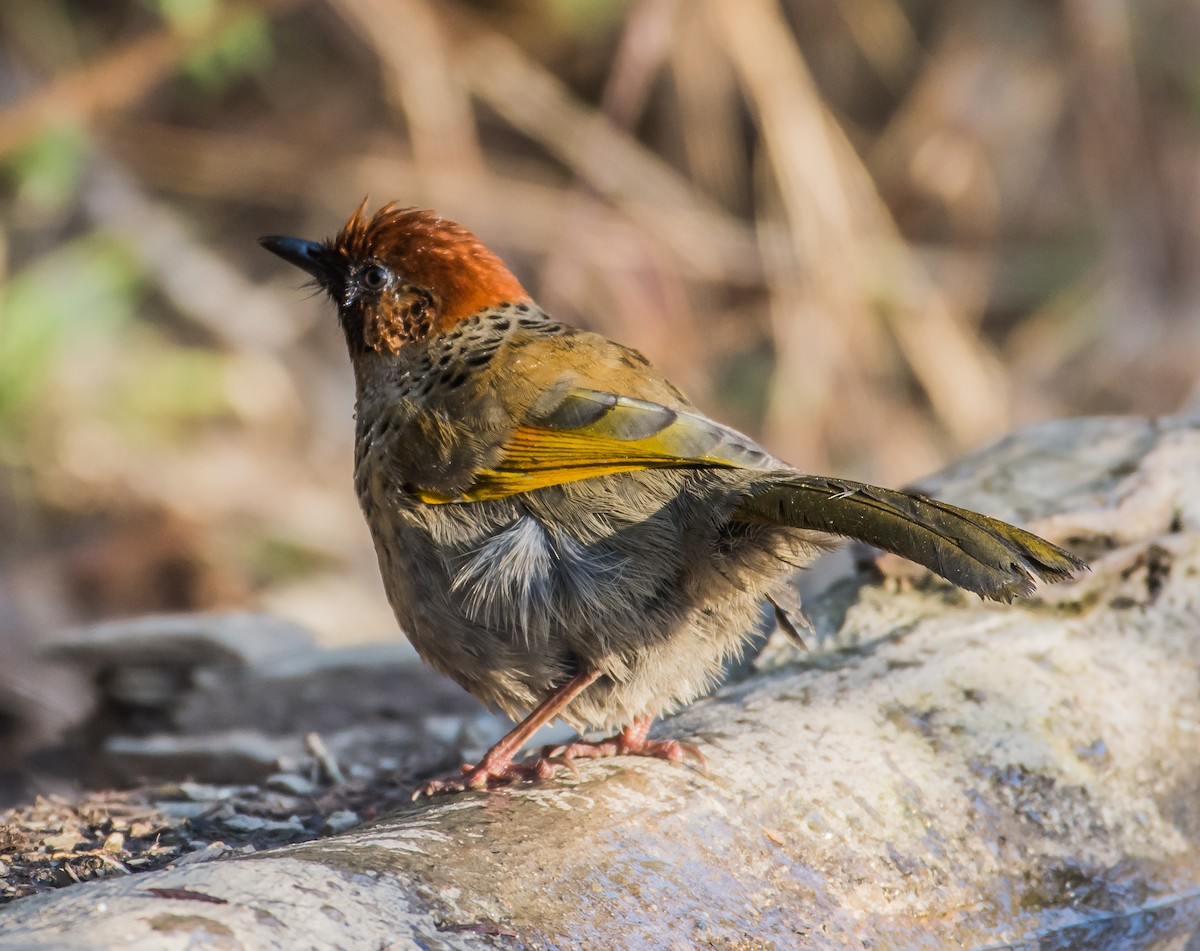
509,597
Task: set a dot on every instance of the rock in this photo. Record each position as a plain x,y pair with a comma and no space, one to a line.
206,792
244,823
184,810
955,774
181,641
322,690
243,755
213,850
292,784
247,756
143,668
338,822
63,842
229,698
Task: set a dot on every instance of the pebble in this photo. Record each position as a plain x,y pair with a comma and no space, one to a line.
213,850
63,842
183,810
242,823
340,821
291,783
205,792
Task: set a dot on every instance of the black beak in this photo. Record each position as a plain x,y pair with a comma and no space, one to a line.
310,256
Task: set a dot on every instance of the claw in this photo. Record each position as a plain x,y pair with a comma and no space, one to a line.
569,762
692,750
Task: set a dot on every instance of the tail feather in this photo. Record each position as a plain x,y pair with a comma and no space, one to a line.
974,551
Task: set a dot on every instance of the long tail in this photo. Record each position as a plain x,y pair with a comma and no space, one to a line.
975,552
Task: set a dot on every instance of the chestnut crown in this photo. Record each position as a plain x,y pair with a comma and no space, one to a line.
401,275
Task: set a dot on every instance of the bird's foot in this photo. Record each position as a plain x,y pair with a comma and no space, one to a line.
497,767
631,741
489,775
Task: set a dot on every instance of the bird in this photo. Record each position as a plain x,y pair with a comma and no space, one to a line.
558,528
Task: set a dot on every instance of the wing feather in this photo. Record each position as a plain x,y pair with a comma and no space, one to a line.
591,433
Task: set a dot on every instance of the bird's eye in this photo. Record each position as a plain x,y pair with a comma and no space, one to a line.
374,277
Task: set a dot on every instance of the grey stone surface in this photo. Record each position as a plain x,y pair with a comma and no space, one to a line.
180,640
230,697
321,689
228,756
954,774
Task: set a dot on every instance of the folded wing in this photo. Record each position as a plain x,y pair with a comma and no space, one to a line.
589,433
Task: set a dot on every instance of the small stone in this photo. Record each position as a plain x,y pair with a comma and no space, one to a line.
291,783
213,850
338,822
207,792
183,810
223,812
243,823
268,803
63,842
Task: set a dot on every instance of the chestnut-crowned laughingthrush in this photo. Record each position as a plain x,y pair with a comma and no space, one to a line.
559,529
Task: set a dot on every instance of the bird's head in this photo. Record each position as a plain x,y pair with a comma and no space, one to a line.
401,275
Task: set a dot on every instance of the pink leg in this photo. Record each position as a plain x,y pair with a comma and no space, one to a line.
631,741
497,767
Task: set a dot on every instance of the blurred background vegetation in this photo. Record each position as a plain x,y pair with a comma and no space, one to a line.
874,233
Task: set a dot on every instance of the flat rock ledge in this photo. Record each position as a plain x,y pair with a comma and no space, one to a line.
948,774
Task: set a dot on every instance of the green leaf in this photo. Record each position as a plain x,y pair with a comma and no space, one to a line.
87,289
163,387
241,48
47,171
187,16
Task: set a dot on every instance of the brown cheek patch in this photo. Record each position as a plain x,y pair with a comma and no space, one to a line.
397,322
